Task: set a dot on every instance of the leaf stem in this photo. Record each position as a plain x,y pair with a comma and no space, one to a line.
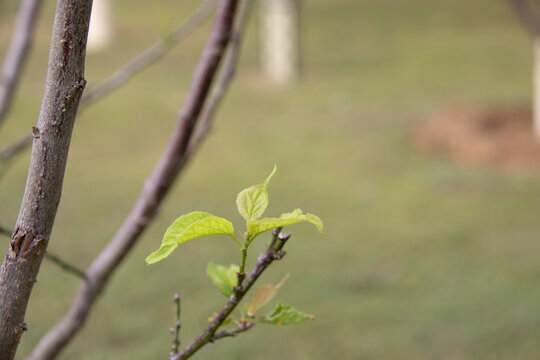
237,242
241,271
243,262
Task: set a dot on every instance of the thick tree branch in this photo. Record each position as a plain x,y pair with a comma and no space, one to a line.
16,56
63,89
127,71
154,191
527,14
210,333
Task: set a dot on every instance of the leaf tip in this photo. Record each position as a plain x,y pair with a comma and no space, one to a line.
267,180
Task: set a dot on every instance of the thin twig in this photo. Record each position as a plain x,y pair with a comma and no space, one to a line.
54,258
226,75
16,55
150,55
127,71
173,160
72,269
209,334
16,147
275,233
176,330
224,333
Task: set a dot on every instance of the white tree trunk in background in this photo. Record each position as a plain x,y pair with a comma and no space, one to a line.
279,41
536,90
100,33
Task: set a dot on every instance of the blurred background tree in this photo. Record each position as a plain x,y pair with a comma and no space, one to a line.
528,12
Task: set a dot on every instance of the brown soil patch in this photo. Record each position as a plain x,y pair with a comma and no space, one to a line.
501,137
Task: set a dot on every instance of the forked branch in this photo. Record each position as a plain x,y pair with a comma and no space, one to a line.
210,334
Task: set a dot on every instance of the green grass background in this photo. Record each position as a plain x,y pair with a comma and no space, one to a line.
421,258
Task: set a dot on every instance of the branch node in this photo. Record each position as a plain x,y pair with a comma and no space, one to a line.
284,237
279,255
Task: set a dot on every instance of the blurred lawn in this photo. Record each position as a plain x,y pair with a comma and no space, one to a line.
421,259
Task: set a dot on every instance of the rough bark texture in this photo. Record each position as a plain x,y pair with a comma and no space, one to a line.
63,89
154,191
17,53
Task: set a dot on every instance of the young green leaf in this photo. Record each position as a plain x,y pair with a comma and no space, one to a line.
264,295
223,278
188,227
252,202
286,315
255,227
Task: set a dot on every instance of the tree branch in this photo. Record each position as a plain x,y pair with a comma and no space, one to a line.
63,89
55,259
209,334
16,56
526,13
16,147
65,265
227,73
174,158
176,330
127,71
150,55
224,333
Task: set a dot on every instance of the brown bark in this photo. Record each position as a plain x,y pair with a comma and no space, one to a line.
63,89
156,187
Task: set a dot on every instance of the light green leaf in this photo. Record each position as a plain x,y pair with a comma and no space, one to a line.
264,295
256,227
252,202
223,278
188,227
286,315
